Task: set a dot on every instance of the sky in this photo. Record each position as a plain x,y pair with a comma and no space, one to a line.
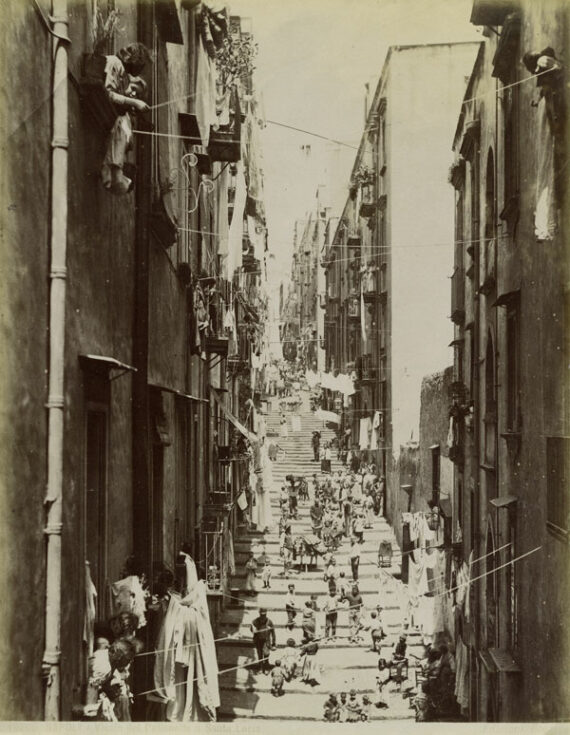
315,58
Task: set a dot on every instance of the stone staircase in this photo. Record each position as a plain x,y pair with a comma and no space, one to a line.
245,694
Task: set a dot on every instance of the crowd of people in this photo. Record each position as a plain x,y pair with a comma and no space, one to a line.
343,506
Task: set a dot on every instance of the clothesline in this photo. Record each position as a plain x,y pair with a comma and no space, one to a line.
473,561
486,574
266,658
178,137
169,102
192,645
233,668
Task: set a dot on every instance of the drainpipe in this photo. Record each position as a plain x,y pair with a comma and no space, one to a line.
55,405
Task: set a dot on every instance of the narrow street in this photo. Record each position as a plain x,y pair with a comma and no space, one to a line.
246,694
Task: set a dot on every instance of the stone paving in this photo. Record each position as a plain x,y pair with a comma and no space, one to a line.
246,694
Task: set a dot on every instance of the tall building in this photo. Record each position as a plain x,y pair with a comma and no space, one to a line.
509,403
389,256
130,320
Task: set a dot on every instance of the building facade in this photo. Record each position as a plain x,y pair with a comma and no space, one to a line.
509,401
386,312
302,318
132,325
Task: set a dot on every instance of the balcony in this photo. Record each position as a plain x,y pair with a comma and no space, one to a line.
215,341
458,296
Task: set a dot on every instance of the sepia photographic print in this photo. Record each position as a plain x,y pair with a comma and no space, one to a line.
284,351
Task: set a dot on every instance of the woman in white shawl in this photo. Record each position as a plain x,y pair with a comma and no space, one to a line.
186,668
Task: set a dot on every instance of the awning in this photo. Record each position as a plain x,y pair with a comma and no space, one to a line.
507,298
104,362
177,393
504,661
504,501
232,419
334,418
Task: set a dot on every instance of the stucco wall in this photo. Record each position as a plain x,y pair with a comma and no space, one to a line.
24,197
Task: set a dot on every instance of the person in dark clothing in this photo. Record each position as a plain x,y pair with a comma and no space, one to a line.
293,495
263,632
316,444
316,513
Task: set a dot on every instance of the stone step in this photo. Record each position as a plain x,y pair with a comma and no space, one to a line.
234,622
353,657
293,707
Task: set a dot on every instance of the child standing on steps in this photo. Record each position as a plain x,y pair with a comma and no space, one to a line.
266,575
277,679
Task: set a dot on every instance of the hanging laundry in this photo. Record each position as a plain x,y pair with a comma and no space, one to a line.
462,674
186,653
235,235
221,214
205,93
90,610
365,430
545,221
362,315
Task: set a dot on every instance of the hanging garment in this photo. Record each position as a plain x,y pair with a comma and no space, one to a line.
205,93
128,596
362,316
231,554
235,235
231,332
462,674
262,514
221,219
449,440
90,610
545,222
363,441
186,653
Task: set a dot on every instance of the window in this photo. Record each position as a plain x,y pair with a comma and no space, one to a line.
490,404
435,472
511,574
160,439
96,459
557,478
491,562
513,366
490,225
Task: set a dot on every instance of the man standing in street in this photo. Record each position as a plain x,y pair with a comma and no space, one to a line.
263,633
354,607
331,615
347,507
316,513
355,558
291,606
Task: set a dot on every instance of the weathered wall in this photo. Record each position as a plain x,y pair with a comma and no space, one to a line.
24,247
100,319
434,427
544,590
539,692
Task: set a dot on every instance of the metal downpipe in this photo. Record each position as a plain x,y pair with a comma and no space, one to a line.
55,405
